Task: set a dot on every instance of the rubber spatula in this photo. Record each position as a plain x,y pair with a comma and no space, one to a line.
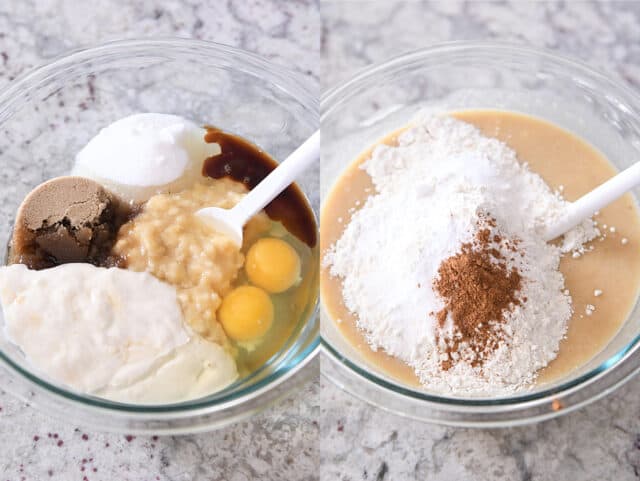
595,200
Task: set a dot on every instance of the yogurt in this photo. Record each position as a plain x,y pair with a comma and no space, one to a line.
193,370
111,332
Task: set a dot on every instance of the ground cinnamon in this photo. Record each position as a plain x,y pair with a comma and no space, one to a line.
478,289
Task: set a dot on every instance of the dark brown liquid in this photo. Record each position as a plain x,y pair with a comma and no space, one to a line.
244,162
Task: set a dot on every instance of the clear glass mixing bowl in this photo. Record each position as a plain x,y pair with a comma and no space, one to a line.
47,115
458,76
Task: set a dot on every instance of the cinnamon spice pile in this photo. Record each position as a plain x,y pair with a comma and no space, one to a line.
478,289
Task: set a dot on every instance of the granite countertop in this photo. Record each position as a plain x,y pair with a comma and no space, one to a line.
358,442
601,441
282,442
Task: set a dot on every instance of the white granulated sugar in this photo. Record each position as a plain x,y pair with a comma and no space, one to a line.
430,190
597,292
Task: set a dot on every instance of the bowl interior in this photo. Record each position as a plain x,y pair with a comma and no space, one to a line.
49,116
458,77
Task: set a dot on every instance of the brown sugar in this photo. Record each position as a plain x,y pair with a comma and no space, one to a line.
478,288
67,219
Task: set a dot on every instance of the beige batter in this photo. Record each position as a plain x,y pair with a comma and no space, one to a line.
562,159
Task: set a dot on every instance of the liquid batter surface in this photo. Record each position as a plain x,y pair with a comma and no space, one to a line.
565,162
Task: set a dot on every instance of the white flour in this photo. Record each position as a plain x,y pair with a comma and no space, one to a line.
430,190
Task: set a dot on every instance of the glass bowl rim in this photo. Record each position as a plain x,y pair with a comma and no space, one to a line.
606,372
296,87
27,79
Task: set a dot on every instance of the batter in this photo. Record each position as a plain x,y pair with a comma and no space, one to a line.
607,277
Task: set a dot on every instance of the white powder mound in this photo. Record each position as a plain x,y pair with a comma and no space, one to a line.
431,189
145,154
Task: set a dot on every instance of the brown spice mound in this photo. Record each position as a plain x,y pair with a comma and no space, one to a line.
478,289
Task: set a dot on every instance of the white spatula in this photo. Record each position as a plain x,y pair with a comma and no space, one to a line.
595,200
231,221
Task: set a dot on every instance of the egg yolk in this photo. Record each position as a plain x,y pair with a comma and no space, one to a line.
246,313
272,264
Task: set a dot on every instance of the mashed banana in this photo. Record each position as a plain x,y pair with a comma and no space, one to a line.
168,240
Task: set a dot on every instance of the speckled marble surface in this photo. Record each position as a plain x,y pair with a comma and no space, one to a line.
282,442
601,441
359,442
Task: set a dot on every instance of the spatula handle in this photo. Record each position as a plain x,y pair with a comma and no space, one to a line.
595,200
281,177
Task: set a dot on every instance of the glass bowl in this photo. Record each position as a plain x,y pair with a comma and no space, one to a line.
474,75
50,113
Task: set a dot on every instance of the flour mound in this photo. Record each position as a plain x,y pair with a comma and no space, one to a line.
431,189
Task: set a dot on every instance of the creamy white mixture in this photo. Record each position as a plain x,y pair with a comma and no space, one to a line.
430,191
110,332
145,154
193,370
